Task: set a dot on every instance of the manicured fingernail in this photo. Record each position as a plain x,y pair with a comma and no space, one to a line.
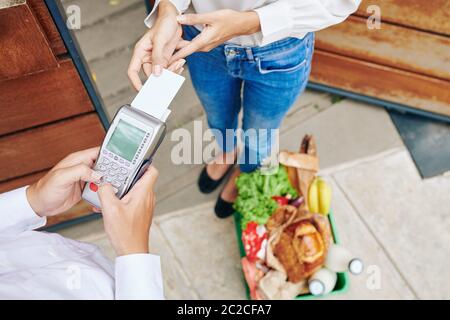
97,176
158,70
181,71
181,18
181,63
115,190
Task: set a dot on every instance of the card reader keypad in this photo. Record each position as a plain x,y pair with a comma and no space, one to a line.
114,169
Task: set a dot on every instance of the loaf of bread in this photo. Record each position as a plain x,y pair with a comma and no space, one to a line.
301,243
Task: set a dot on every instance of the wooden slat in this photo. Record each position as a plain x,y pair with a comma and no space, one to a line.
39,149
41,98
43,15
392,45
381,82
24,47
430,15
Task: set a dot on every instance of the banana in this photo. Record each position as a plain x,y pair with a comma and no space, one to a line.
313,197
324,196
319,197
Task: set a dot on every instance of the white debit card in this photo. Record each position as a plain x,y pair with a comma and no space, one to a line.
157,93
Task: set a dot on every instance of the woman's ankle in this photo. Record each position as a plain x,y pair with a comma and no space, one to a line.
220,165
226,158
229,192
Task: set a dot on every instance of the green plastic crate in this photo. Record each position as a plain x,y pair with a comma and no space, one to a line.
343,281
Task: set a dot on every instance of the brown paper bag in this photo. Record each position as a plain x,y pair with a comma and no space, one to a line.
302,167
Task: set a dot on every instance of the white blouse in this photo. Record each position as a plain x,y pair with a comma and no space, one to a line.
279,18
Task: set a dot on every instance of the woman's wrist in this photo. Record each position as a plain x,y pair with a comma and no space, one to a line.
250,23
167,8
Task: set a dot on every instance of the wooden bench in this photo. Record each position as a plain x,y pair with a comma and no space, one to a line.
46,109
406,62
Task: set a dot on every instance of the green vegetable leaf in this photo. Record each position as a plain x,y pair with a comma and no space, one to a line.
255,192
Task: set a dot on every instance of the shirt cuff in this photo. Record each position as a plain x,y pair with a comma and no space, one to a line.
283,19
275,21
138,277
17,214
181,6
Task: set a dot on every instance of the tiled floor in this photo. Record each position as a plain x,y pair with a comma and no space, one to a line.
385,213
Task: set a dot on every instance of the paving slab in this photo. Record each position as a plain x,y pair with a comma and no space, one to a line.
188,196
111,72
98,10
207,251
308,105
114,102
346,131
409,216
163,161
380,279
121,31
177,285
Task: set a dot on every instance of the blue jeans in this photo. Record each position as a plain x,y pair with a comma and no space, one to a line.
264,81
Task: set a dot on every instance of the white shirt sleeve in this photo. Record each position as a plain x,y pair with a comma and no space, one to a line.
181,5
16,215
294,18
138,277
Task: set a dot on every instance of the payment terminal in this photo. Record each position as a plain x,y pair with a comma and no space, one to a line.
133,137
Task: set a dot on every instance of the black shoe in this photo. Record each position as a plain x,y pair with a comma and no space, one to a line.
223,209
206,184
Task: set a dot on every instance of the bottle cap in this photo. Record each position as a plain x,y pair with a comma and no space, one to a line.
356,266
316,287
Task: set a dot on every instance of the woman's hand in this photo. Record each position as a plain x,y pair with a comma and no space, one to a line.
219,27
127,221
154,50
60,189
